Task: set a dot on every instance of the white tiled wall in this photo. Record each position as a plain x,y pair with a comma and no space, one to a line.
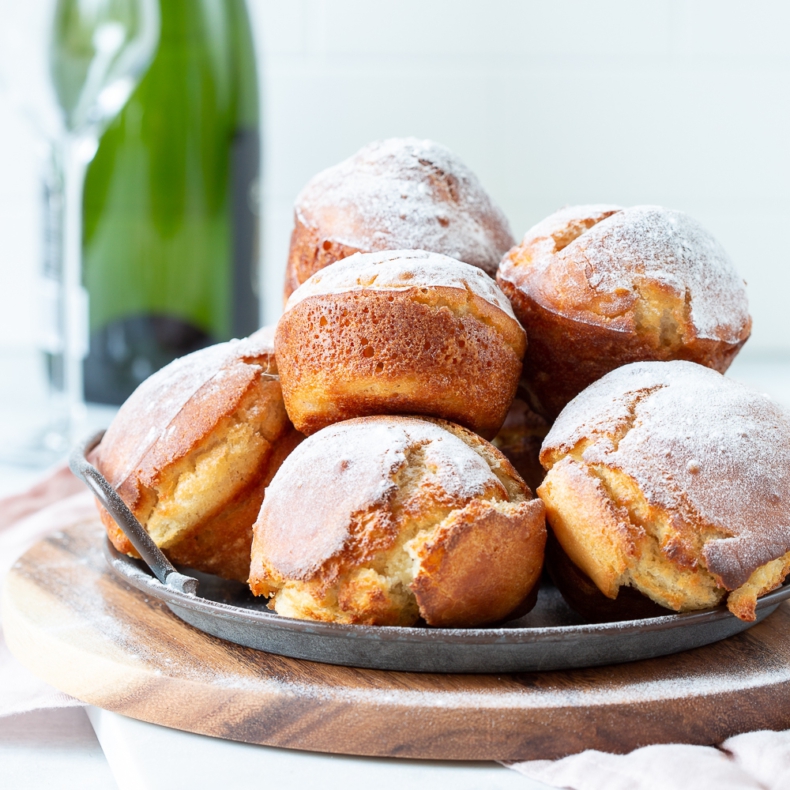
19,231
684,103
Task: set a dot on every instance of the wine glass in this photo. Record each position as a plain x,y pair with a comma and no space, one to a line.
69,66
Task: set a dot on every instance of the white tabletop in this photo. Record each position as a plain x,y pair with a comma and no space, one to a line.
147,757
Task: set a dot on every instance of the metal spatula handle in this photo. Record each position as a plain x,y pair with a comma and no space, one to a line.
152,555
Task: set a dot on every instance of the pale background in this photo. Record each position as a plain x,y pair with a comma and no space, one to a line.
684,103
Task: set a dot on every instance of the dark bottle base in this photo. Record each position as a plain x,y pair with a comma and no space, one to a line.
125,353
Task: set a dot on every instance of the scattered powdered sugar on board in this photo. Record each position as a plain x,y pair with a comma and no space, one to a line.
349,468
582,695
407,194
698,444
648,243
399,270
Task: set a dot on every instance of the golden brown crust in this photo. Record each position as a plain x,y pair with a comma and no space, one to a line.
434,350
380,520
395,194
359,473
594,532
218,409
209,384
219,543
353,355
598,287
310,252
455,584
565,356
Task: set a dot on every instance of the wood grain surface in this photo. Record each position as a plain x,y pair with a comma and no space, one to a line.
74,624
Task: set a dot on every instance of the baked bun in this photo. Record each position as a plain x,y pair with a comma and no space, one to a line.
399,332
192,450
520,439
597,287
672,479
383,520
398,194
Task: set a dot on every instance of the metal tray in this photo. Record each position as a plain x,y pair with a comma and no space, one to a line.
551,636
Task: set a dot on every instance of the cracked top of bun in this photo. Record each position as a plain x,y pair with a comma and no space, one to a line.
699,445
606,264
353,468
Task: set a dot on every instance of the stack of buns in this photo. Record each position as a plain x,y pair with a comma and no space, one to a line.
429,392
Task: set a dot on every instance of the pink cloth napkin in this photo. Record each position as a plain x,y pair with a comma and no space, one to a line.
753,761
58,499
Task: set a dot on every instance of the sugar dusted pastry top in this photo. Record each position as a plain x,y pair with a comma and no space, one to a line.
353,467
148,433
399,270
696,443
405,193
590,263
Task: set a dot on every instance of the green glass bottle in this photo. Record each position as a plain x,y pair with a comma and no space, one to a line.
170,239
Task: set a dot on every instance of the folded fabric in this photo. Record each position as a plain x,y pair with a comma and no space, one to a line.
24,519
57,485
752,761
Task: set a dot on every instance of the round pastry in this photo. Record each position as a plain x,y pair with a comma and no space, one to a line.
672,479
398,194
597,287
520,439
192,450
383,520
403,332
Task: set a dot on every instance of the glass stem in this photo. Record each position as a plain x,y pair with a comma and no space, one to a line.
76,154
52,339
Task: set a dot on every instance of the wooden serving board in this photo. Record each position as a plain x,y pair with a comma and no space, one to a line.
74,624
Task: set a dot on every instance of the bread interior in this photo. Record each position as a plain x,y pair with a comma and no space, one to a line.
195,488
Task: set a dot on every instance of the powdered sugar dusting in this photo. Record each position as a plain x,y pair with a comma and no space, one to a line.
258,343
347,469
647,243
407,194
147,415
696,443
399,270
